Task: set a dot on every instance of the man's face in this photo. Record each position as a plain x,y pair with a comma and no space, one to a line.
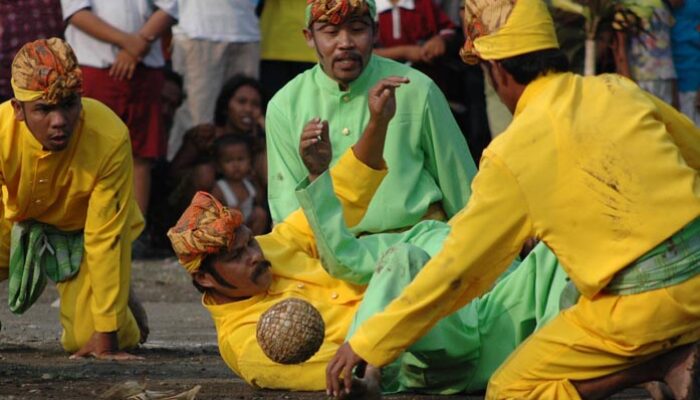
51,124
244,270
343,50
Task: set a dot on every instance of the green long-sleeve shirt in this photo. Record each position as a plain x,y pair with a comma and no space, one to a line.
425,151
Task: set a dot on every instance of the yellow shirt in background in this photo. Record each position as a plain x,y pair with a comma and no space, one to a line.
88,186
281,25
297,272
595,167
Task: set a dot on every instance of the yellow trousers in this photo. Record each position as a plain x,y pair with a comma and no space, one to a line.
76,302
597,337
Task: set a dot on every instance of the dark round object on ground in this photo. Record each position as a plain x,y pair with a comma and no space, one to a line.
291,331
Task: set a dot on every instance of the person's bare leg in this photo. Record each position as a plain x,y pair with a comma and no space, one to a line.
139,315
677,368
142,182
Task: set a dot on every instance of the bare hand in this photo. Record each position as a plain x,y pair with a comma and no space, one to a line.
124,66
202,136
135,45
315,147
432,49
382,99
368,387
339,370
103,346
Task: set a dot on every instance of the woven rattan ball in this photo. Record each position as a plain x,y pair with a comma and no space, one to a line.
291,331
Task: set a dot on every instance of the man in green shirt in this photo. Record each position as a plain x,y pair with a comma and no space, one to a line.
429,162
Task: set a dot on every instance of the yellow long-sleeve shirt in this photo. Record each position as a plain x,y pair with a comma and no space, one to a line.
88,186
297,272
596,168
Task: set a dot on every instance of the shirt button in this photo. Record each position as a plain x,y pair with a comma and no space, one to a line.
346,131
37,201
43,180
300,285
334,295
346,98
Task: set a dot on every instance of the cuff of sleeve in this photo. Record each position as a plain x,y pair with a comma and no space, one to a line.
105,322
310,193
361,346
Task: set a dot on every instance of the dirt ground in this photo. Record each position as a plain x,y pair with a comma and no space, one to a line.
181,351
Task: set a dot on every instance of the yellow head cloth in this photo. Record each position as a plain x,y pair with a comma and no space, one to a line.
206,227
46,69
498,29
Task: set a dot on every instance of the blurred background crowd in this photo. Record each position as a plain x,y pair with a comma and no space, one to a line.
196,94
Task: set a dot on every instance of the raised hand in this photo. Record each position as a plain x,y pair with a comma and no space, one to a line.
382,99
315,147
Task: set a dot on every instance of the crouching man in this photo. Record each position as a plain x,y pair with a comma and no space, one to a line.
67,209
607,176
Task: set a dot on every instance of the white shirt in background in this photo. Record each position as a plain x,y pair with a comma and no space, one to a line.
125,15
231,21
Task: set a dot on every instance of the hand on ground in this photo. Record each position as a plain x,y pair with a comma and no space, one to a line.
368,387
339,371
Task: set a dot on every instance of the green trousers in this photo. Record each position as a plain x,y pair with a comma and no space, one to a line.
462,351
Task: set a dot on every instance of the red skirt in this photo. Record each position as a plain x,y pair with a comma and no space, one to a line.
136,102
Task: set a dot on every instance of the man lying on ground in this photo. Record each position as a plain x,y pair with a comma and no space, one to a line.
242,276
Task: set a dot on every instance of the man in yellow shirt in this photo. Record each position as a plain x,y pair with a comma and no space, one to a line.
603,173
304,257
65,165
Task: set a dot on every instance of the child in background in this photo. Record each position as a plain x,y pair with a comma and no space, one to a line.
233,159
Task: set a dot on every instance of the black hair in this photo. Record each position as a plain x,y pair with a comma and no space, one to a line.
229,140
228,90
525,68
207,266
173,76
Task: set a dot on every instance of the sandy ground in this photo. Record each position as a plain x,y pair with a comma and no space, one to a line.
181,351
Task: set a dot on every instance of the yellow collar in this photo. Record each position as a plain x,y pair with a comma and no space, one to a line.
532,90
